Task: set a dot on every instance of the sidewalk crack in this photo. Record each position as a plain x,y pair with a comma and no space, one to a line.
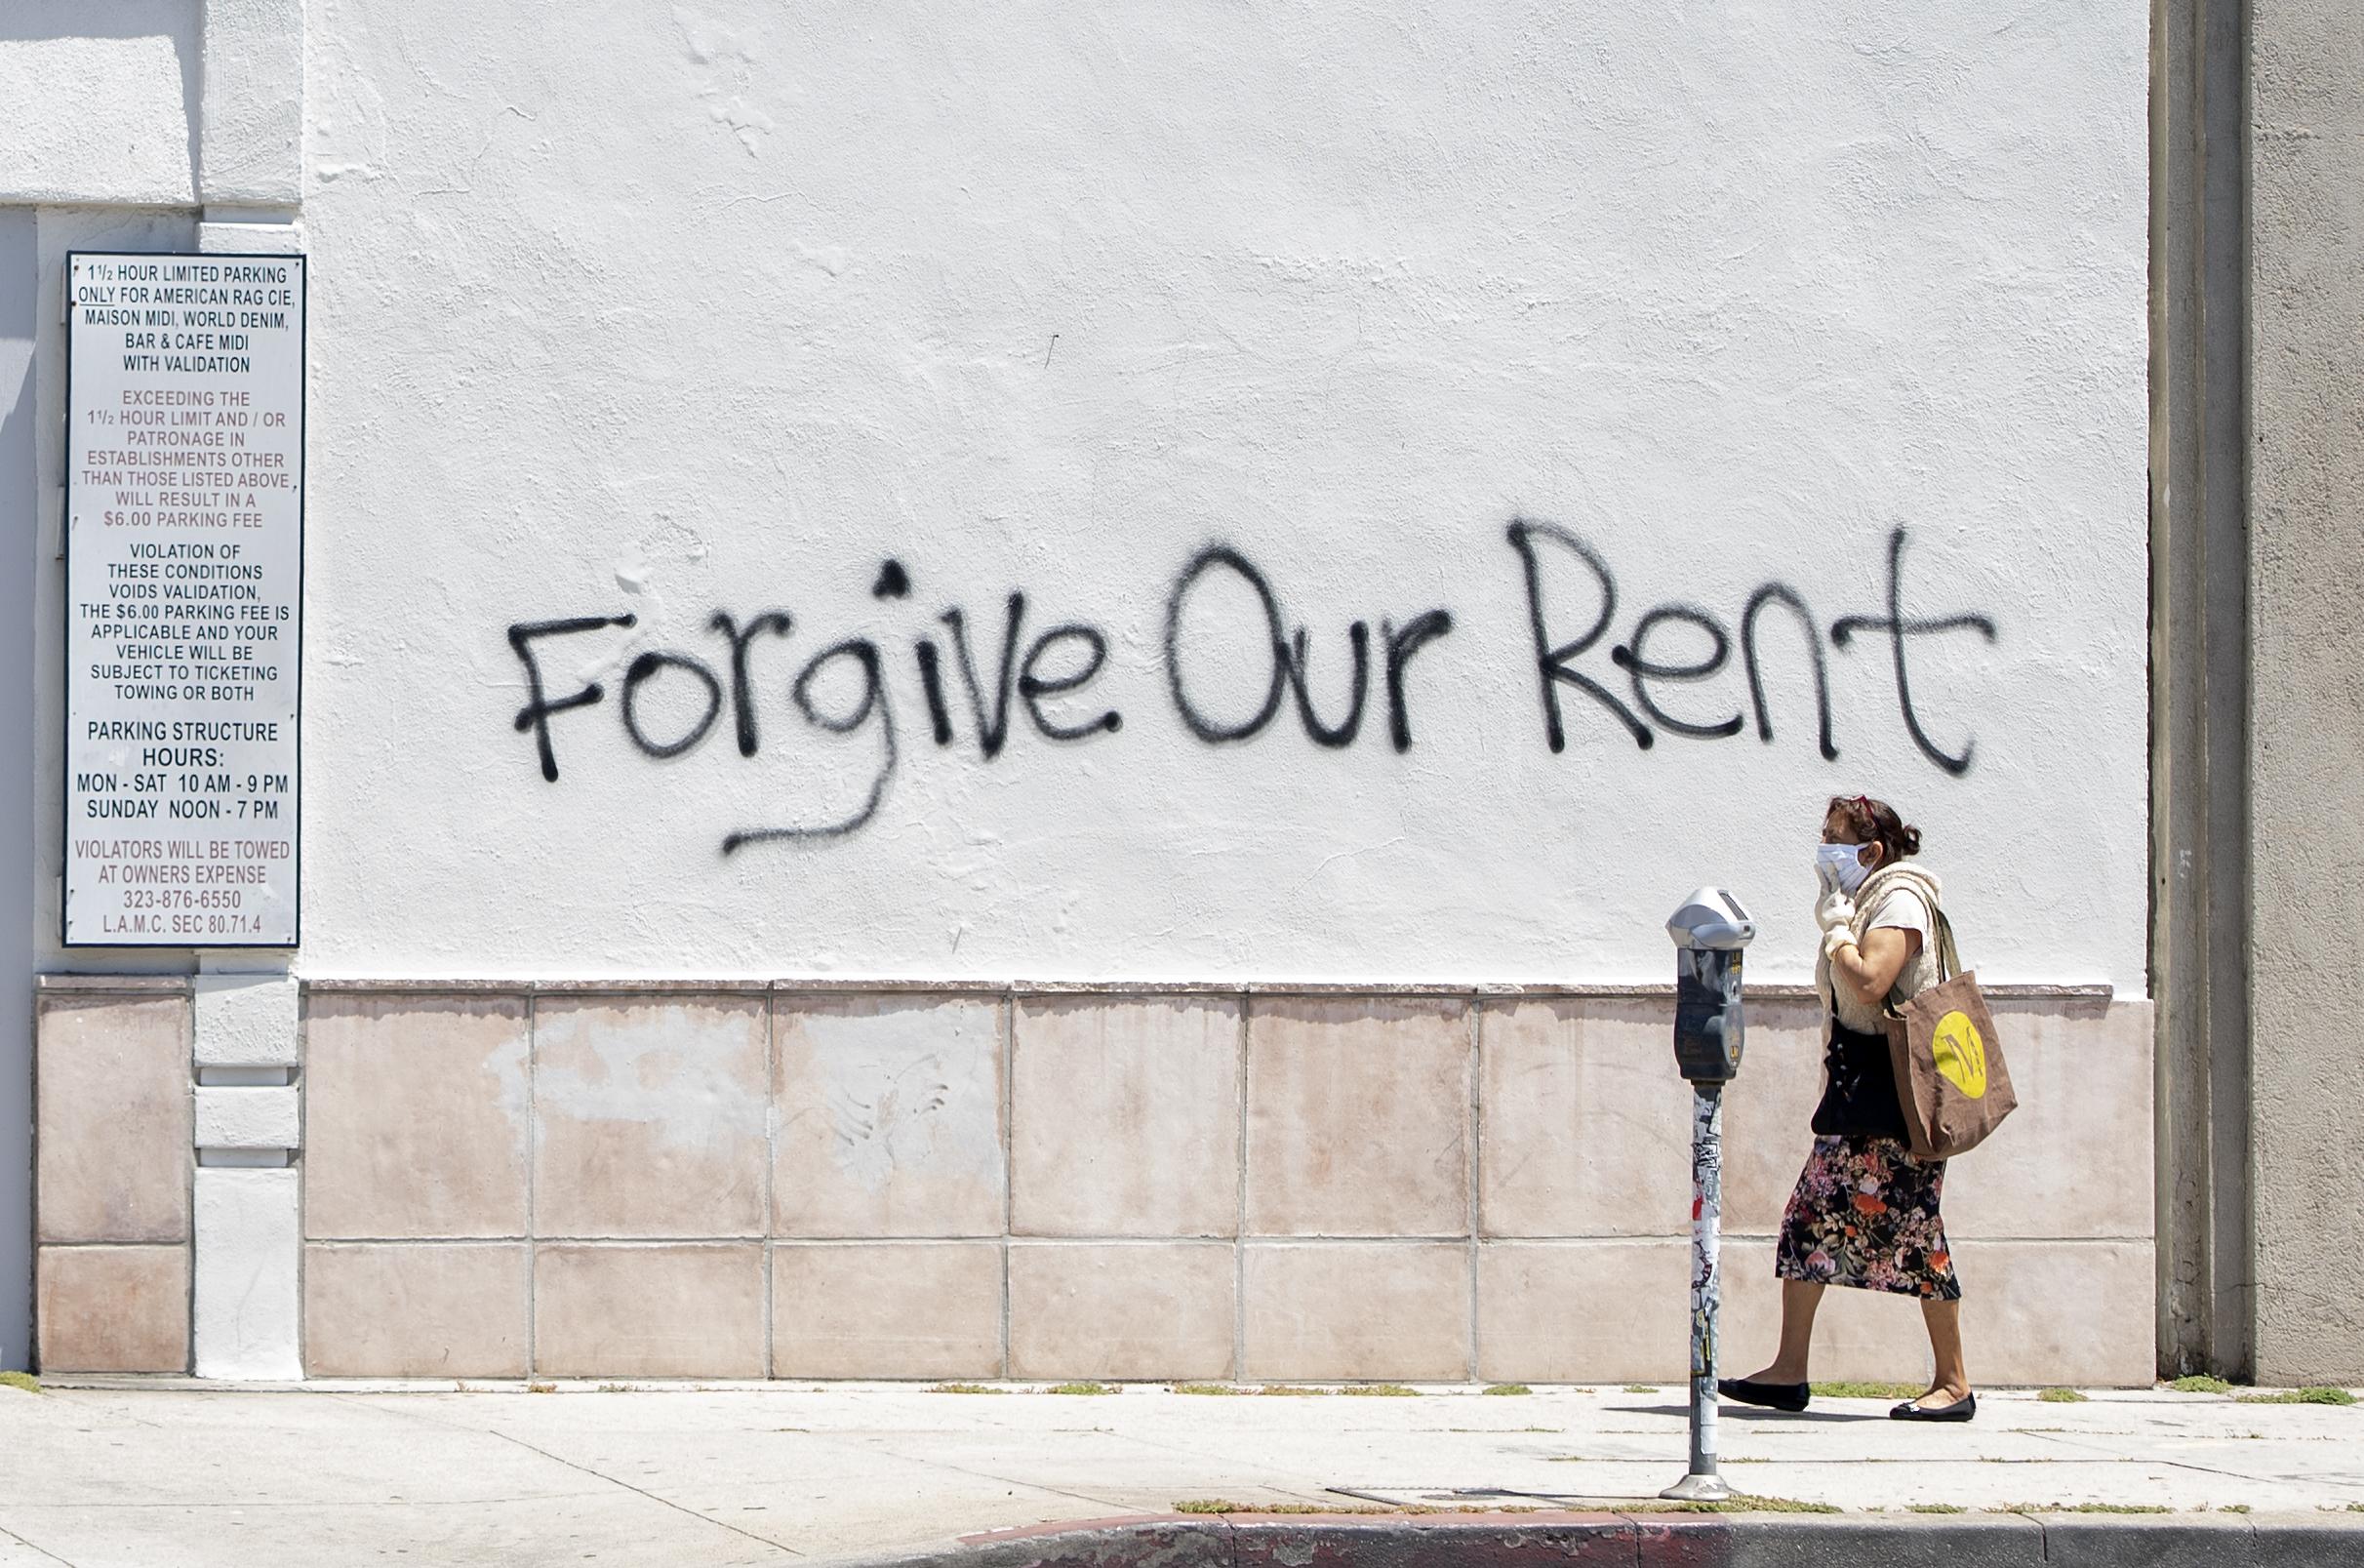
613,1480
32,1546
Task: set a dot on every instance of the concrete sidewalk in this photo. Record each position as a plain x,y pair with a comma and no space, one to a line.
163,1473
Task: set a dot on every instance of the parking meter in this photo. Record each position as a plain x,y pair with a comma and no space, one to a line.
1709,930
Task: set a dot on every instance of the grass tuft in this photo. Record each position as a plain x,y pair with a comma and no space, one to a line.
1378,1390
1221,1505
615,1387
1739,1502
2062,1396
2200,1382
1289,1390
2234,1508
2301,1396
1217,1390
542,1387
1640,1388
2082,1508
1935,1508
1869,1390
1507,1387
1082,1388
965,1388
24,1382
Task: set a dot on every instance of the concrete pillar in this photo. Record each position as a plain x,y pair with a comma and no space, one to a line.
2305,157
20,569
2258,707
247,1295
2199,685
249,122
246,1306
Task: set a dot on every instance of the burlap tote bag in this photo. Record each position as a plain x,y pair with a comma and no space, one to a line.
1950,1076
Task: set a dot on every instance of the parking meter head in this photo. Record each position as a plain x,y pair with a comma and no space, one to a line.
1711,917
1710,931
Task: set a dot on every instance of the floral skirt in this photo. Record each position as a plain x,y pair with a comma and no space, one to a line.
1864,1213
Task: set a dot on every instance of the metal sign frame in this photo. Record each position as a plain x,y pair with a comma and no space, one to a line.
65,706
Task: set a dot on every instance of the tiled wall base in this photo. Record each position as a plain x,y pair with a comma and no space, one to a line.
113,1160
112,1308
751,1182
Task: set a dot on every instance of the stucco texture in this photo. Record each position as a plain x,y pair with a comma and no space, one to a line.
2306,794
714,310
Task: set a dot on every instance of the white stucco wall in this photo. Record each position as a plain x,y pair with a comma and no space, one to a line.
717,309
99,102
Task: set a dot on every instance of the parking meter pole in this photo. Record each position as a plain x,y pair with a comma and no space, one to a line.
1704,1483
1709,931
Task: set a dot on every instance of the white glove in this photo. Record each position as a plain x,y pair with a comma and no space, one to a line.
1835,914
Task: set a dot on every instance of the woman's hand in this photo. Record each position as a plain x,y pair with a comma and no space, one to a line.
1834,912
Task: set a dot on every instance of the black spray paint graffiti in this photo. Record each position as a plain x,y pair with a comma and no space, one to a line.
1291,656
1554,661
1064,659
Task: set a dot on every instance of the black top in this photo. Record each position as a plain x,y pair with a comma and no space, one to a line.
1860,1100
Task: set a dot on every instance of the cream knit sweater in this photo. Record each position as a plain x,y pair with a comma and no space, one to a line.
1920,972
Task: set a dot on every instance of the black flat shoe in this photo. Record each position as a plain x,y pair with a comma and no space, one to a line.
1962,1409
1789,1396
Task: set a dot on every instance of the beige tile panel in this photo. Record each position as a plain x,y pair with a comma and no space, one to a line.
112,1129
112,1308
649,1115
649,1310
889,1111
1358,1118
2033,1314
410,1310
416,1116
1124,1116
2075,1159
1127,1309
1767,1112
1584,1129
1385,1310
887,1309
1583,1312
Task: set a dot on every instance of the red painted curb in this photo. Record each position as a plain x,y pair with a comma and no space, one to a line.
1597,1539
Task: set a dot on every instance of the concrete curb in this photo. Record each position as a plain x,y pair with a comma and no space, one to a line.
1656,1540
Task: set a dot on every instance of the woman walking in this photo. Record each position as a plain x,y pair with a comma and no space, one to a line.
1865,1212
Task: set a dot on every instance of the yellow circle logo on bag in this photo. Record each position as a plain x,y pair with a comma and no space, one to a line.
1961,1056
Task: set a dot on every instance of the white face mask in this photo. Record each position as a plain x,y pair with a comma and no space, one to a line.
1839,865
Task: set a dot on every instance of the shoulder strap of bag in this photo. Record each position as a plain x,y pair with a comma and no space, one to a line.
1950,957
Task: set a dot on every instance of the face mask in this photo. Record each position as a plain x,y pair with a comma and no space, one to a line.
1838,866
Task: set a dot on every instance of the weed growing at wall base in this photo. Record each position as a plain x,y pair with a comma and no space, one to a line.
2316,1396
2200,1382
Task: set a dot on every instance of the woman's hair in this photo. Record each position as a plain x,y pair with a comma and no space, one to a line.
1876,822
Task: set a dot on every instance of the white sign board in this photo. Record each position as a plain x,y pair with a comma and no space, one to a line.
184,599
